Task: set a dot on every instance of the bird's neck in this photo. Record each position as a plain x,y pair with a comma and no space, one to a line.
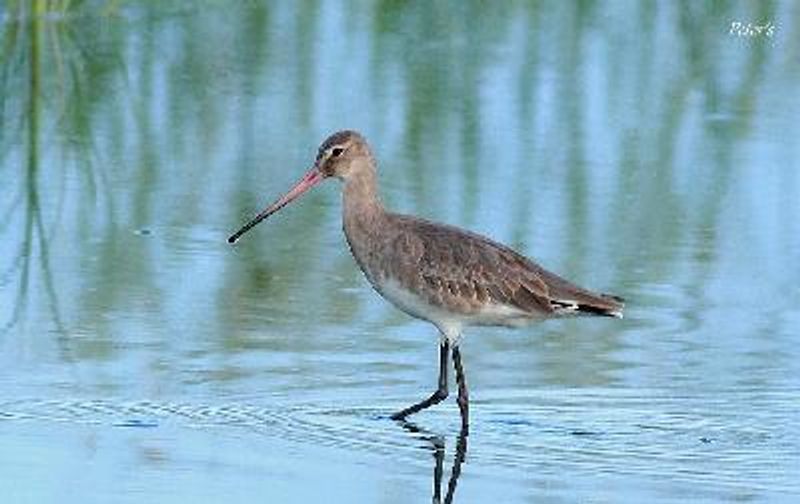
363,212
360,193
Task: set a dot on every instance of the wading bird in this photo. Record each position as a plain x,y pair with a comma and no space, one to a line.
448,276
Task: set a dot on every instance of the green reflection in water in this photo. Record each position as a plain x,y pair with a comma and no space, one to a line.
142,107
635,147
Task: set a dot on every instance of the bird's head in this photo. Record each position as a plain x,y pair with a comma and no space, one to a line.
343,155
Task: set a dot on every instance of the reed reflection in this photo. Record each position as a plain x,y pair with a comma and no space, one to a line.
26,206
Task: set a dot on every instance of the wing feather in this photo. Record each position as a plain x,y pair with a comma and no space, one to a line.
466,270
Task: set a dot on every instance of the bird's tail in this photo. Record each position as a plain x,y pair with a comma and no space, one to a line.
606,305
589,303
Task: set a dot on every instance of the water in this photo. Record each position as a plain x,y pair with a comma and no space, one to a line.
640,149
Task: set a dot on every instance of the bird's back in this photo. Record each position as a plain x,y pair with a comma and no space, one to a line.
435,271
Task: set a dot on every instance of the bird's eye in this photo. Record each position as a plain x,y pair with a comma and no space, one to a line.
336,151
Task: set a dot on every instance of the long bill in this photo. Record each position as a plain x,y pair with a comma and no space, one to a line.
309,180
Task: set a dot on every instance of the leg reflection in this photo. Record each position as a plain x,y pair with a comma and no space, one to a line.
438,444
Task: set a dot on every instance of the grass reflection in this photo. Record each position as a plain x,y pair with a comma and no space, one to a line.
582,135
48,87
34,233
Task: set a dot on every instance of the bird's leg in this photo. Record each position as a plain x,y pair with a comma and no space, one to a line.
463,396
441,392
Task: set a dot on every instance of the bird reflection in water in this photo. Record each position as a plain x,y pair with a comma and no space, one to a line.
438,444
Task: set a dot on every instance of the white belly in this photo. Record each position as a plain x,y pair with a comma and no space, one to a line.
451,323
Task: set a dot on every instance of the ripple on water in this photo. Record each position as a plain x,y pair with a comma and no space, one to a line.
356,428
650,434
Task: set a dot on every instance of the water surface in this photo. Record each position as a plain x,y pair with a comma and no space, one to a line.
636,148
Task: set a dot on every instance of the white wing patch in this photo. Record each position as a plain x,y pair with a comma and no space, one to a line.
564,306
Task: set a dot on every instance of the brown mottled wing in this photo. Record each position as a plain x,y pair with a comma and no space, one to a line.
463,270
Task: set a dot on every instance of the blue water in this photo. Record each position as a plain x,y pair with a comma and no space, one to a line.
638,149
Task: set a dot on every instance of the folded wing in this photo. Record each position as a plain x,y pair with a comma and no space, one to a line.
457,268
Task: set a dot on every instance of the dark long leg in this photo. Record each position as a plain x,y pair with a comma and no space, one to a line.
441,392
463,396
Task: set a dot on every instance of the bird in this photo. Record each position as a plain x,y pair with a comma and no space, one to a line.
450,277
